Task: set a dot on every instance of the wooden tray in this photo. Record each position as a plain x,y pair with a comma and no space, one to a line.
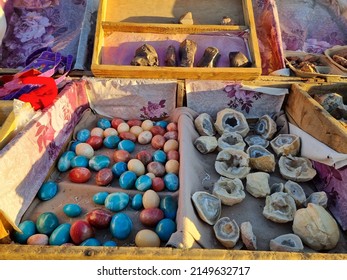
118,19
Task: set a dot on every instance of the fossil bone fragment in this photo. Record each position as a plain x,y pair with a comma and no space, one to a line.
286,243
238,59
266,127
231,140
230,120
297,169
286,144
261,159
208,206
206,144
257,184
204,125
229,191
227,232
232,163
146,55
187,50
210,58
170,56
279,207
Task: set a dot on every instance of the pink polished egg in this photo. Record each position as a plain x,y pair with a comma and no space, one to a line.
157,130
173,154
158,141
104,177
158,184
156,168
121,155
134,122
171,135
144,156
126,135
171,126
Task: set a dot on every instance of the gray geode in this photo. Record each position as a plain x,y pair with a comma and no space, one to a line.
229,191
204,125
231,140
286,243
206,144
208,206
279,207
266,127
319,198
296,192
297,169
230,120
286,144
227,232
261,159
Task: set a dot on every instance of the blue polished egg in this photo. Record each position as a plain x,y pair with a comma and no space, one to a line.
165,228
126,145
159,156
99,162
28,229
91,242
171,182
143,183
99,198
79,161
110,243
121,226
60,235
64,162
47,222
72,210
136,202
83,135
111,141
163,124
119,168
104,123
73,145
117,201
47,191
127,180
169,206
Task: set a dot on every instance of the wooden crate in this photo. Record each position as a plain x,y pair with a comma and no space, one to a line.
156,23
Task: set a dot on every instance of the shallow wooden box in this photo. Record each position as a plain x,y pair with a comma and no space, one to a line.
153,19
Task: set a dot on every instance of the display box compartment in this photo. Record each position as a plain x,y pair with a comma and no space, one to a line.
306,113
123,26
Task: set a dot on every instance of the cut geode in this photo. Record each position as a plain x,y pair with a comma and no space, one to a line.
146,55
247,236
265,127
286,243
255,139
227,232
286,144
187,50
206,144
276,187
296,192
279,207
319,198
208,206
232,163
170,56
231,140
204,125
210,58
230,120
257,184
238,59
297,169
229,191
261,159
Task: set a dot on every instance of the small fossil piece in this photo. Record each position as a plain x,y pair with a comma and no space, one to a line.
276,187
170,56
230,120
146,55
210,58
227,232
204,125
266,127
261,159
279,207
187,52
208,206
296,192
229,191
297,169
286,243
257,184
206,144
186,18
316,227
319,198
238,59
232,163
286,144
247,236
231,140
226,21
255,139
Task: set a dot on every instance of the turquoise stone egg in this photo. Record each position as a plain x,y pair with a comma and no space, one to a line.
126,145
127,180
83,135
110,243
28,229
165,228
121,226
169,206
47,222
119,168
163,124
91,242
143,183
99,198
47,191
171,182
99,162
79,161
111,141
136,202
103,123
72,210
60,235
64,162
73,145
117,201
159,156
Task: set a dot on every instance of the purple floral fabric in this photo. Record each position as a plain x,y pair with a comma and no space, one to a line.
154,110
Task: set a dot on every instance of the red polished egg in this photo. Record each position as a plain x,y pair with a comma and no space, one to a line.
157,130
79,174
104,177
144,156
173,154
126,135
151,216
95,141
116,121
121,155
81,230
158,184
99,218
134,122
158,141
